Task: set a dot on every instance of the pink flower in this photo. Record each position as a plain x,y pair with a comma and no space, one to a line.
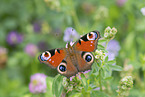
31,49
121,2
78,75
38,83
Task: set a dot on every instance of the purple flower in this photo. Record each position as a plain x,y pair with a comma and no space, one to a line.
113,48
38,83
70,34
14,38
121,2
37,27
31,49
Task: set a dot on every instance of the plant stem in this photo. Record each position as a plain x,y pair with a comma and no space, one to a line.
100,79
100,72
106,44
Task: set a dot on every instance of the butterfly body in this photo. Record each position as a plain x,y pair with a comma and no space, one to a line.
73,59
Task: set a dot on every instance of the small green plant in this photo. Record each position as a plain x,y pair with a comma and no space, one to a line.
125,85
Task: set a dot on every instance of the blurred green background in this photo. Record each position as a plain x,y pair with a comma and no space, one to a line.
29,27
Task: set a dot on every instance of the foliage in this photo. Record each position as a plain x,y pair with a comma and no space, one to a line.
29,27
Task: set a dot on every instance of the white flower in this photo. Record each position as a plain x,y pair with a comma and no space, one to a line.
99,54
110,33
143,11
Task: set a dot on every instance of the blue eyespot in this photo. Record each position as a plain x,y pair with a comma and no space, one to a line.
62,68
88,58
96,35
42,58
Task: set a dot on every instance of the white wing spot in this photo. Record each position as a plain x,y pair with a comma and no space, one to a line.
91,41
90,45
52,61
49,59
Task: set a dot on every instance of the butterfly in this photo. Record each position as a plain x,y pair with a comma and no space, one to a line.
73,59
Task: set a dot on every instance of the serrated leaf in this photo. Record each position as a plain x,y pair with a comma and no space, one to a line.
115,67
111,62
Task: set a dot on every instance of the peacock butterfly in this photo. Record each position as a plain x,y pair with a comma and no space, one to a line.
76,58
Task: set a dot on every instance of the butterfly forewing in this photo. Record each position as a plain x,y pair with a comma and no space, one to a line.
88,42
52,57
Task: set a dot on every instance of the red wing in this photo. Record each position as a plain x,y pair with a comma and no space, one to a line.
88,42
52,57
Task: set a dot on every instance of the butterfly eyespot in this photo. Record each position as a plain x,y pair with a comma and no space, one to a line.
92,36
88,57
62,68
45,56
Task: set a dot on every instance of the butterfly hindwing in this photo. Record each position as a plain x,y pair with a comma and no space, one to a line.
67,68
84,60
88,42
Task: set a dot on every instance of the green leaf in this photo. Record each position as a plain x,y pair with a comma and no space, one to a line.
102,72
76,95
115,67
102,40
49,87
108,78
84,81
111,62
57,86
95,67
85,93
107,71
101,47
98,94
106,59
